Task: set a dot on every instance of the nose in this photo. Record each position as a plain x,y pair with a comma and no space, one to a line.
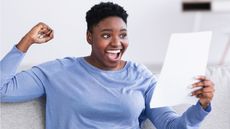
115,42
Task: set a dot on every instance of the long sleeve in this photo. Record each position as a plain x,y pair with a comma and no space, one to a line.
20,86
167,118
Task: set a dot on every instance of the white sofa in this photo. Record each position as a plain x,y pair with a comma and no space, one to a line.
30,115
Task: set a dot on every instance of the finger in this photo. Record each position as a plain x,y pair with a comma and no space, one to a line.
45,39
39,30
198,84
52,35
207,96
197,92
199,81
208,90
49,32
201,77
44,33
42,27
209,83
199,96
206,83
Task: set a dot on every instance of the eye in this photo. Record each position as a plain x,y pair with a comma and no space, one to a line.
105,36
124,35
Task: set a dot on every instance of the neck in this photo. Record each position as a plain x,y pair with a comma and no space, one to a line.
102,66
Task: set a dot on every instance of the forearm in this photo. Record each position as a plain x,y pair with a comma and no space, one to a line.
9,65
16,87
166,118
195,114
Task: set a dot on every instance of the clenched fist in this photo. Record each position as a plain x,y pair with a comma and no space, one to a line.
40,33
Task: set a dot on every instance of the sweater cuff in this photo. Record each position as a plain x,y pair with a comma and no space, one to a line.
10,62
201,111
15,49
207,109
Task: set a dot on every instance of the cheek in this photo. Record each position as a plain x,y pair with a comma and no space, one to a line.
100,45
126,44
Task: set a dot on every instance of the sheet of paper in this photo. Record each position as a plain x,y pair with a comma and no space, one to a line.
186,57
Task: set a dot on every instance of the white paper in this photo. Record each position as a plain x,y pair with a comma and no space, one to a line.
186,58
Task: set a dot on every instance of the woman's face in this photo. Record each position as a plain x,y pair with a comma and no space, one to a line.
109,41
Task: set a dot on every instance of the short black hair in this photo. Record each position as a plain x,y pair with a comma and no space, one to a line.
103,10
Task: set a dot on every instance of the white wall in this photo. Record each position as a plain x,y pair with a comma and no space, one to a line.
150,24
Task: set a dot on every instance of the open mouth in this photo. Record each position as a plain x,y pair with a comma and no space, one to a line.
113,55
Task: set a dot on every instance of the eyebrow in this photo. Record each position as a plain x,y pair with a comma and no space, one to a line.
112,30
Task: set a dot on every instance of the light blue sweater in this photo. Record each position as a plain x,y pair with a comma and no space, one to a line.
81,96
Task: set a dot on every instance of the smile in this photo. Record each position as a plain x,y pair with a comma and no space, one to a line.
113,55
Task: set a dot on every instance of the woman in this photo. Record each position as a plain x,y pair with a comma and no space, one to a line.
99,91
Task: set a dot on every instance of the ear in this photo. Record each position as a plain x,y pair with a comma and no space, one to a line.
89,37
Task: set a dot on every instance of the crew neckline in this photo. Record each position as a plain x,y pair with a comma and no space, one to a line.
85,63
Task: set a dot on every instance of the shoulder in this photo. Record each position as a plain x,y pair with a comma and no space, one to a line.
58,64
142,73
140,69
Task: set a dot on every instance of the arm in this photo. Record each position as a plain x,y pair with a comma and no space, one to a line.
24,85
167,118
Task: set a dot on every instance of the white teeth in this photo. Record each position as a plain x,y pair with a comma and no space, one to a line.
114,51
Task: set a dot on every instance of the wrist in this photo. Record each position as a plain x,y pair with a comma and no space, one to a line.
204,105
27,40
24,44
